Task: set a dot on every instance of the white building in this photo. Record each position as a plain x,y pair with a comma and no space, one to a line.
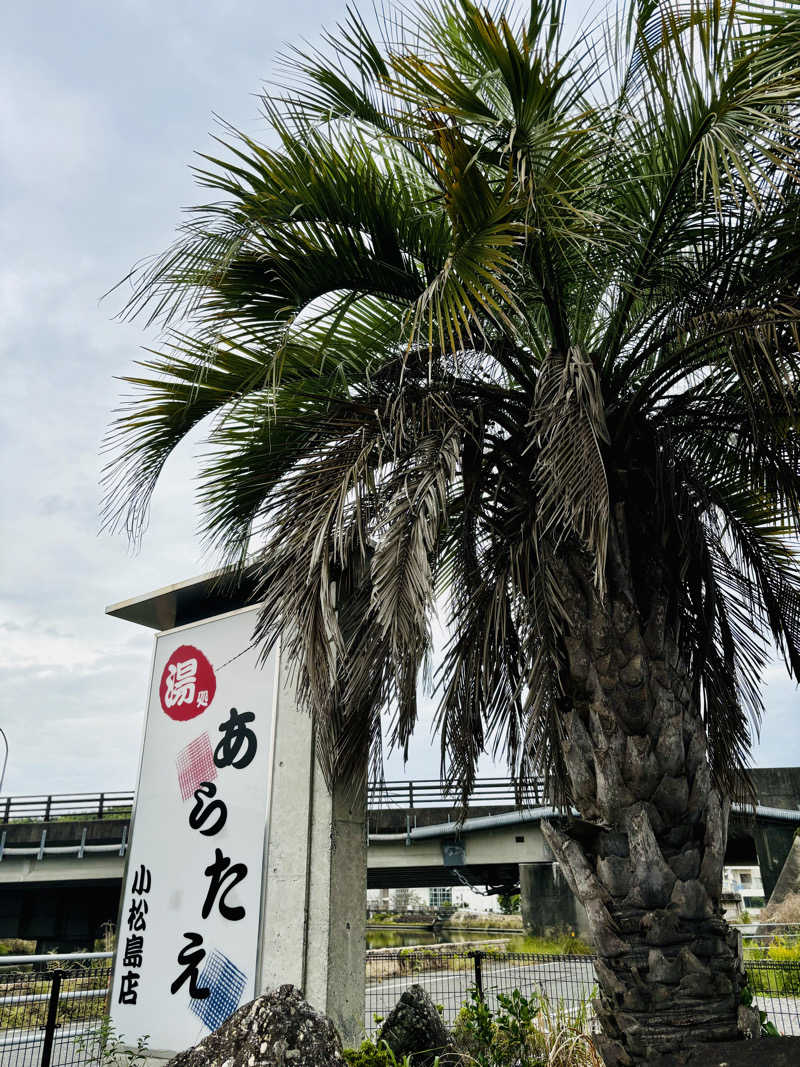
466,897
743,881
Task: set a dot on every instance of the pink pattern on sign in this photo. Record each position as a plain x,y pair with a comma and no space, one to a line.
195,765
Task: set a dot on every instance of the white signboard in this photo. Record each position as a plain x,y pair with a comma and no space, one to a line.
189,921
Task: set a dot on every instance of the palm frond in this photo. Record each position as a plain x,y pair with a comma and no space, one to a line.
568,427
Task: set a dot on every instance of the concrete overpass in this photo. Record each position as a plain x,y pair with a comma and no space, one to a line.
62,858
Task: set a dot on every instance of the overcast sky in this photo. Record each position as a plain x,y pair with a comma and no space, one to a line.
102,106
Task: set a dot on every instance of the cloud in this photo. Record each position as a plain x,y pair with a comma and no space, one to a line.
49,133
31,652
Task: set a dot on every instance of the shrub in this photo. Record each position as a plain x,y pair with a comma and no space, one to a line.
525,1031
783,951
368,1055
473,1032
509,903
17,946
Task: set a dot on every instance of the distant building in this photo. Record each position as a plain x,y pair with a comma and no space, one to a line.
440,896
742,890
472,899
436,897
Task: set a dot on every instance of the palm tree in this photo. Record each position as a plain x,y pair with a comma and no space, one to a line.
509,324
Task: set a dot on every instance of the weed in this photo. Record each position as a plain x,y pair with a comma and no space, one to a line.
370,1054
525,1031
104,1047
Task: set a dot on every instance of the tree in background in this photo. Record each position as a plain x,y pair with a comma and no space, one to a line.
509,323
508,903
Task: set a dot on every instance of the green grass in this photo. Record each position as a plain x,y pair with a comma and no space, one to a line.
567,944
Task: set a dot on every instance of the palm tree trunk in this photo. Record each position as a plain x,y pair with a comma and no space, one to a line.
646,859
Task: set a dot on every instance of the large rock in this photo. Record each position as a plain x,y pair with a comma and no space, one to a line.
278,1029
765,1052
414,1028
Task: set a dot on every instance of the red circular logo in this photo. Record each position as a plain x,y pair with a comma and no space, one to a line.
187,684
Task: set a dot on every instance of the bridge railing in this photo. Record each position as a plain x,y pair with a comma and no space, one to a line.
420,793
53,807
430,793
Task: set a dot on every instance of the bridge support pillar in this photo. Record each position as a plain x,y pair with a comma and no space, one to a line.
548,904
773,843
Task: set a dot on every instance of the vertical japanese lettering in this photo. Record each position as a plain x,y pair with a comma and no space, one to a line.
190,957
223,876
236,735
136,915
133,952
202,812
129,988
133,956
141,881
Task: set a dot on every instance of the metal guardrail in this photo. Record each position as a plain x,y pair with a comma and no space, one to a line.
421,793
403,794
429,793
52,807
52,957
